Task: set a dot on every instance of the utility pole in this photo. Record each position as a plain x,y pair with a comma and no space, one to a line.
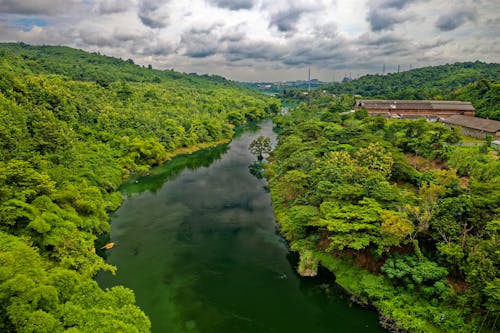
383,69
398,68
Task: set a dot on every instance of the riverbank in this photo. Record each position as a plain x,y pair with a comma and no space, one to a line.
395,236
195,148
398,311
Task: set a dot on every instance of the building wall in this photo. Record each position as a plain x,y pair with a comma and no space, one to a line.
475,133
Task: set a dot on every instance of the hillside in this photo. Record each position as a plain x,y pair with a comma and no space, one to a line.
73,125
79,65
437,82
484,95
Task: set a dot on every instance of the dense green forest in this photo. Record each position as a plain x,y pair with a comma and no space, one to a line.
73,126
475,82
79,65
406,220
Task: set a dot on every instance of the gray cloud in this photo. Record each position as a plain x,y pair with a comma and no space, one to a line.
30,7
381,40
158,49
331,56
234,4
385,14
297,52
151,13
384,19
434,45
399,4
455,18
114,38
96,38
286,20
372,50
256,50
112,6
495,21
200,43
126,43
233,37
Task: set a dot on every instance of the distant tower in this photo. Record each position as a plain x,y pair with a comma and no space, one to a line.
309,80
383,69
399,66
411,66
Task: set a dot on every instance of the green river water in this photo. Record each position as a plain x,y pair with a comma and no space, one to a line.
198,244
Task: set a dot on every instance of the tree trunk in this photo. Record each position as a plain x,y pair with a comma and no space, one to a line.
416,247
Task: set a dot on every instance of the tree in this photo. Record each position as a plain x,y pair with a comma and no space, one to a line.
376,158
423,213
425,275
259,146
396,227
352,226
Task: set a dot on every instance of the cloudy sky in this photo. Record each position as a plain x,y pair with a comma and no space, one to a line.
257,40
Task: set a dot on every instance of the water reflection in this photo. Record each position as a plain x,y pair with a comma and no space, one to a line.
158,176
256,169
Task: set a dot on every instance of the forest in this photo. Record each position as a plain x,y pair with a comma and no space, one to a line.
475,82
73,127
407,220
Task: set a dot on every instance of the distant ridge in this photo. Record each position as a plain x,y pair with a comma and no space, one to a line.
419,83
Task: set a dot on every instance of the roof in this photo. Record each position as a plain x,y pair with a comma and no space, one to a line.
486,125
414,105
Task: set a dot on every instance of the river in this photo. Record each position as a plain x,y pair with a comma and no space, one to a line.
198,244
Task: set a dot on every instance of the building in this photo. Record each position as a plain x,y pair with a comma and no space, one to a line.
475,127
415,109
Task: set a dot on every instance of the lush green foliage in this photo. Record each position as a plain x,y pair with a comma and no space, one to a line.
484,94
73,126
79,65
474,82
417,215
38,296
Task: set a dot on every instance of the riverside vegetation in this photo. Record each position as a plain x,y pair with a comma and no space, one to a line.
406,221
73,126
